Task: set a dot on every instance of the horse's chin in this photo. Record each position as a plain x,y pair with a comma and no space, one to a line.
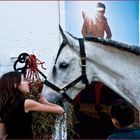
79,86
53,97
72,93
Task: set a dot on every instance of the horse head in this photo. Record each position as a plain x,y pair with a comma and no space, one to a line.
115,64
68,68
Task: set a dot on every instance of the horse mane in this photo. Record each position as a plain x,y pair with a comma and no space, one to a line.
130,48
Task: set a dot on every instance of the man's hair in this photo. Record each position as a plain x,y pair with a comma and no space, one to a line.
101,5
123,112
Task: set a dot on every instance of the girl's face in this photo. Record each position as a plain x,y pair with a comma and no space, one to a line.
24,85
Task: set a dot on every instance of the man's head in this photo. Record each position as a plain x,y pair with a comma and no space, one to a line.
100,7
122,113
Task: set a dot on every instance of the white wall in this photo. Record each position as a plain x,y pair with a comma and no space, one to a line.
29,26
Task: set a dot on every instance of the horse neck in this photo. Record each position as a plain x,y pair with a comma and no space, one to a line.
117,69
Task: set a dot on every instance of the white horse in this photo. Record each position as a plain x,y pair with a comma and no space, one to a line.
115,64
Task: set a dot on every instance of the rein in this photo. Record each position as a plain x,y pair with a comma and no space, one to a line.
24,58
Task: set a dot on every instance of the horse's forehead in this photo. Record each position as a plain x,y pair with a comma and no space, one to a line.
66,54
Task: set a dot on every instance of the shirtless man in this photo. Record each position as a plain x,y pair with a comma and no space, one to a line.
97,26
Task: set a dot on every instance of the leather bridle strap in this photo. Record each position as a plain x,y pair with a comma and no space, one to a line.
63,44
83,61
83,76
52,86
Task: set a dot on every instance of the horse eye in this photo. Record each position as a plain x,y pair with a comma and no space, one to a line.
63,65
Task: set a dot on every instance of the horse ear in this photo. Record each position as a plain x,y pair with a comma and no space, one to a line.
63,35
68,38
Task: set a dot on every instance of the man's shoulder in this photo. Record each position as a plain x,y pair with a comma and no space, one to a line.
114,136
137,130
124,134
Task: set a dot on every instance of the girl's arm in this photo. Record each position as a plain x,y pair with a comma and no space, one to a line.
3,133
43,100
31,105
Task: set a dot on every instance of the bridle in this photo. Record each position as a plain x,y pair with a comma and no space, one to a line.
83,77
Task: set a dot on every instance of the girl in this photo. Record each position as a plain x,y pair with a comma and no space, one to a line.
15,107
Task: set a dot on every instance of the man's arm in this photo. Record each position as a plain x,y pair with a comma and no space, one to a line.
108,31
85,26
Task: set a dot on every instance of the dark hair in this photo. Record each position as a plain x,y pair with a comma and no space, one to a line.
8,91
123,112
101,5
